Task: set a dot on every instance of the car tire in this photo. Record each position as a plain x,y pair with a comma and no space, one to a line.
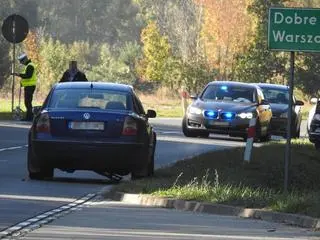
186,131
36,171
245,138
151,163
317,146
148,157
257,137
267,137
297,133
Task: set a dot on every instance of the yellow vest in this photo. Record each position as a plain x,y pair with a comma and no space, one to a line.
27,82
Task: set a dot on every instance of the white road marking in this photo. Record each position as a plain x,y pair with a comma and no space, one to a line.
33,223
37,198
169,132
12,148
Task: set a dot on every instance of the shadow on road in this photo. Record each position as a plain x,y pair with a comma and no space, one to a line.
82,180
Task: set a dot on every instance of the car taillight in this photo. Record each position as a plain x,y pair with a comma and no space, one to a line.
43,123
130,127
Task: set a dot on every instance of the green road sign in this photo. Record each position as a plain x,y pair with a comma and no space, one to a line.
294,29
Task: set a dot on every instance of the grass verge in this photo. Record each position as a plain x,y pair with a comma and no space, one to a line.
5,107
164,105
222,177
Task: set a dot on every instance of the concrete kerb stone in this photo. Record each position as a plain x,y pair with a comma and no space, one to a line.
211,208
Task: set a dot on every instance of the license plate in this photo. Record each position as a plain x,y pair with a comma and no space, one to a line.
221,124
86,126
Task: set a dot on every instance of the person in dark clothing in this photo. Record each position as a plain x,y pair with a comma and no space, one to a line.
73,74
28,82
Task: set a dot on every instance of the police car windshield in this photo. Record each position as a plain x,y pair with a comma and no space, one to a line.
235,94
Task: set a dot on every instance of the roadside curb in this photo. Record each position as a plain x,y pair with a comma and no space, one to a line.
211,208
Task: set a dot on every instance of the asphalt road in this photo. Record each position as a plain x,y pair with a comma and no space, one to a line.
118,221
21,198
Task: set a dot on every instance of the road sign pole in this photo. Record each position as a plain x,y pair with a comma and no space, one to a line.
13,61
15,29
288,145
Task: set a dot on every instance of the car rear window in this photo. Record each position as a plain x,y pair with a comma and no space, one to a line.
237,94
280,96
87,98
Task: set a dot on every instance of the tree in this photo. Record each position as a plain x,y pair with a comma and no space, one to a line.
180,21
130,54
226,31
54,60
99,21
308,73
31,46
259,64
111,69
156,51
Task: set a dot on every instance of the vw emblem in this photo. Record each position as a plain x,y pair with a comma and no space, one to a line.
86,116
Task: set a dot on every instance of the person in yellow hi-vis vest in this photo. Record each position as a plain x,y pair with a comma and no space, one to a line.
28,82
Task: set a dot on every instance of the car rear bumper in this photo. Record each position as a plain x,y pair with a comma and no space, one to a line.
82,155
236,127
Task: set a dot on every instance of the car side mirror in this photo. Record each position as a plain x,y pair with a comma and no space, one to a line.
314,100
299,103
151,113
194,96
264,102
36,110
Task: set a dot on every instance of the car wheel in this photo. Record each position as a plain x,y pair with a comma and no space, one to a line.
36,171
151,163
148,158
244,137
143,171
267,137
186,131
257,137
317,145
297,133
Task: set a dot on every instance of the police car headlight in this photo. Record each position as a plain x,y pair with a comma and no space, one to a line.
316,117
195,110
244,115
284,115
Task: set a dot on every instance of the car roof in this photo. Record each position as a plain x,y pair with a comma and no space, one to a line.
95,85
232,83
271,85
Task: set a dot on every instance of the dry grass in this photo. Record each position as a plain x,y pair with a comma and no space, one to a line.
164,102
222,177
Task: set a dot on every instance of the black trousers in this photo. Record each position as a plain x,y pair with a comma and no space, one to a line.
28,96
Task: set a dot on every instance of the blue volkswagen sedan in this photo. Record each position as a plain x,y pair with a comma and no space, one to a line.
91,126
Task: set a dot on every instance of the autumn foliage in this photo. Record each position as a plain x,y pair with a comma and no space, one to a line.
31,45
226,31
